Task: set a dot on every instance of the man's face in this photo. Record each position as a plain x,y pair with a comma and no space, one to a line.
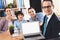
31,12
47,7
20,17
9,12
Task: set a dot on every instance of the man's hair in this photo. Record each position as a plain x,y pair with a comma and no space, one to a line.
18,13
49,0
30,8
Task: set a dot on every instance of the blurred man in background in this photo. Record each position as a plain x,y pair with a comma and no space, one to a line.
35,16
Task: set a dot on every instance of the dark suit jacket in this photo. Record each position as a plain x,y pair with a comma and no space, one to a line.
53,28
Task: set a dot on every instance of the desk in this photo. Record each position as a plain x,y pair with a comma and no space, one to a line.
20,37
7,36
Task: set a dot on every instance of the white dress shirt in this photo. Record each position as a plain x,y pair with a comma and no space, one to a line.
45,25
49,17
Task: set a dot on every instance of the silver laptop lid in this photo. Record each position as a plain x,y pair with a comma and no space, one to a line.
30,28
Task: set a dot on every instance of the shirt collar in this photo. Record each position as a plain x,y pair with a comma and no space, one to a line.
49,16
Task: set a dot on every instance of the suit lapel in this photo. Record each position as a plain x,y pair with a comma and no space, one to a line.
50,23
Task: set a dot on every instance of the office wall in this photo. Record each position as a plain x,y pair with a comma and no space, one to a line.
57,7
36,4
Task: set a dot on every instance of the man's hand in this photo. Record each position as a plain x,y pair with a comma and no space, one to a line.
40,23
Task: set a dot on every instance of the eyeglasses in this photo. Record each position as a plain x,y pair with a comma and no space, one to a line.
46,7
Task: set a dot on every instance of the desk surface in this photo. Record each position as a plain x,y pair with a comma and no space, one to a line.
7,36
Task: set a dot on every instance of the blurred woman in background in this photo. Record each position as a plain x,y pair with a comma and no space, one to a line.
6,21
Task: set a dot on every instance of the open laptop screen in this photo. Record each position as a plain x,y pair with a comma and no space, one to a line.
30,28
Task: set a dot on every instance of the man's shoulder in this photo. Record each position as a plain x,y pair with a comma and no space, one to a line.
55,17
40,14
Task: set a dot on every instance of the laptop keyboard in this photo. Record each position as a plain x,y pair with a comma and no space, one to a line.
30,36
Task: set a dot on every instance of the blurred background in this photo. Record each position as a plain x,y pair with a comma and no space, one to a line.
23,5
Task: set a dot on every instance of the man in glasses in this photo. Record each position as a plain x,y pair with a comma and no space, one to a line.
51,24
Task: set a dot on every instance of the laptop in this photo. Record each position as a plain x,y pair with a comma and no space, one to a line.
31,31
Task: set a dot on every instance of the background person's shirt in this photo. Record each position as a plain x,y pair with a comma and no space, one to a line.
3,25
17,26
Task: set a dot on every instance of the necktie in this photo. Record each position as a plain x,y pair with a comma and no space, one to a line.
45,25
